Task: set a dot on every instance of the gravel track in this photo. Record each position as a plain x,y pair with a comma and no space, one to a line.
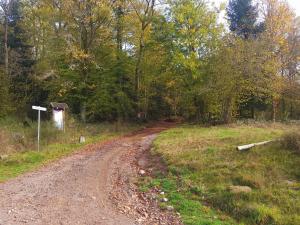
89,187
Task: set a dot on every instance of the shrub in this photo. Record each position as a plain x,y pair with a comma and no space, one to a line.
291,141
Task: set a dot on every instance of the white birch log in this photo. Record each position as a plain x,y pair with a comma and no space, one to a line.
249,146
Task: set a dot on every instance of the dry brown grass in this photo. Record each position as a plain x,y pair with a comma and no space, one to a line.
291,141
5,143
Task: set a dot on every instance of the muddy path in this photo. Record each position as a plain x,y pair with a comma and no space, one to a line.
89,187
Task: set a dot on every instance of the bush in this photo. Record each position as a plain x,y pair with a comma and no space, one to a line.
291,141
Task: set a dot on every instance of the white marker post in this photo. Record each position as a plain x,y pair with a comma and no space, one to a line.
39,109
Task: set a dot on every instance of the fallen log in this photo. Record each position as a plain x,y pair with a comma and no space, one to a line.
249,146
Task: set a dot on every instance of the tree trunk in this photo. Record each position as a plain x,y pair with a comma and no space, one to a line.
292,110
252,112
119,39
119,28
227,110
6,44
138,69
83,112
274,110
284,114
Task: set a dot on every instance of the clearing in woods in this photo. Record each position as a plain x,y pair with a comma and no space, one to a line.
210,182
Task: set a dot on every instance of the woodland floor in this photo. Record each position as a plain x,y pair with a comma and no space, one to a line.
93,186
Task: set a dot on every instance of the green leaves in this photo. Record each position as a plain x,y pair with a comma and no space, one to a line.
194,29
120,58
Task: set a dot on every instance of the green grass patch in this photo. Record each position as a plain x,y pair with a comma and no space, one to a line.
204,163
187,200
20,163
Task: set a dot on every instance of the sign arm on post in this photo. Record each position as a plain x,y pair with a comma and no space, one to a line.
39,109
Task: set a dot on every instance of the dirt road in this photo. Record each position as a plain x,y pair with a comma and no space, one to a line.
90,187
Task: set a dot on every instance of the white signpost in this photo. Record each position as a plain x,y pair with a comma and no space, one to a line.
39,109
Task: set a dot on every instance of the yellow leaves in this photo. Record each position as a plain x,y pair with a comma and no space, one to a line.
281,41
92,87
62,91
193,31
79,54
278,21
190,21
86,13
277,86
171,83
180,18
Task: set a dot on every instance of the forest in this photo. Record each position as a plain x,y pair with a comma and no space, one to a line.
128,60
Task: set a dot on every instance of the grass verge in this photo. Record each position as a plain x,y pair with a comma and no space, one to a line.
206,175
55,146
